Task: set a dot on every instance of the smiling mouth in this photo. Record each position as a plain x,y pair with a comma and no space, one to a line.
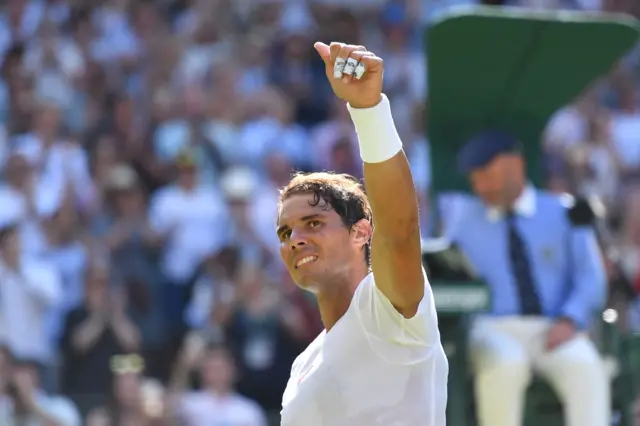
306,260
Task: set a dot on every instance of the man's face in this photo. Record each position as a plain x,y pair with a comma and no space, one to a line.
315,245
498,183
17,171
218,371
187,176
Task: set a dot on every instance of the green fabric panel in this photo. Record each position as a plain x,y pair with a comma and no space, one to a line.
511,69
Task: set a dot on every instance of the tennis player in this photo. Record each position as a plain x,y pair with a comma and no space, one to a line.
379,361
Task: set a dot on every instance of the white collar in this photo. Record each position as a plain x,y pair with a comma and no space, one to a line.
525,205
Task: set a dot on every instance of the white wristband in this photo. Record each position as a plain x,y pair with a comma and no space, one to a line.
377,135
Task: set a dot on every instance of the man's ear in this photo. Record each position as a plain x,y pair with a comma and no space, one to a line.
362,231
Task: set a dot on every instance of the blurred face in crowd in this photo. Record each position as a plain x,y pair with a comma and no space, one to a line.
104,157
10,245
17,171
129,202
342,157
127,390
250,284
278,169
16,9
47,121
628,97
5,369
218,370
297,46
123,111
500,182
187,176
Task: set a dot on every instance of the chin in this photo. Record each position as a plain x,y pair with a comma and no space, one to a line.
305,281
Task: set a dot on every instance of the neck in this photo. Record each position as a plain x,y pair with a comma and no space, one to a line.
219,391
517,194
334,299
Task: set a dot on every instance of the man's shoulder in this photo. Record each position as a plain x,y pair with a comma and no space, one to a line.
561,200
61,408
39,267
575,210
379,318
308,354
246,404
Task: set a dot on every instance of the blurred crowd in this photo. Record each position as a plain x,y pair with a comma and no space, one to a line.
142,144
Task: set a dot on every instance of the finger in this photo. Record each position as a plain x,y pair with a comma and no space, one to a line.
342,55
324,51
334,48
355,66
367,64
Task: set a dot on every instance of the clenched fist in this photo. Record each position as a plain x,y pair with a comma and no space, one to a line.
355,74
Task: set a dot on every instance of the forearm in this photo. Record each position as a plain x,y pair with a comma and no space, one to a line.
393,199
87,333
589,279
387,175
126,333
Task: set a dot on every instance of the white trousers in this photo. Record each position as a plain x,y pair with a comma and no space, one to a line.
507,351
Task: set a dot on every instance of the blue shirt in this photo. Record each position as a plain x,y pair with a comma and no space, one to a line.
566,263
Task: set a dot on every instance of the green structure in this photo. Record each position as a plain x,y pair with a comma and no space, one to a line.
511,69
508,69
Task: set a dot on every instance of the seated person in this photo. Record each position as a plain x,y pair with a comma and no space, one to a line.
540,259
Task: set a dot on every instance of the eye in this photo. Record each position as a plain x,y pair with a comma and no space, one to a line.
285,235
313,223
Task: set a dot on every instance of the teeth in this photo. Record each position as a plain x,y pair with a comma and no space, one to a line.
305,260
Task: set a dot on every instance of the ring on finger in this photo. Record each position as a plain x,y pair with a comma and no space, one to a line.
359,71
350,66
338,67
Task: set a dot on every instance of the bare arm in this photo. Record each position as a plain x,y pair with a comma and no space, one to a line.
396,257
395,246
125,332
88,333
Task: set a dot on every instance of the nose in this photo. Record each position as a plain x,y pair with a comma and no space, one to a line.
297,240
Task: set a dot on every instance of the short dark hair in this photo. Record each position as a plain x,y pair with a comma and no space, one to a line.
339,191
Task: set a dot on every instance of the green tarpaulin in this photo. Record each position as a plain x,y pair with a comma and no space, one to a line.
511,69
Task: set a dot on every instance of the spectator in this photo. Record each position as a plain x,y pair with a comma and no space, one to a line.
30,405
30,288
216,401
93,334
133,247
192,219
134,400
265,333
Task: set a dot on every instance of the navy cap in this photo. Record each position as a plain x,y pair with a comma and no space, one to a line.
484,147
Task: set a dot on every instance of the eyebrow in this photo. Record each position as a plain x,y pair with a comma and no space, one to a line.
283,228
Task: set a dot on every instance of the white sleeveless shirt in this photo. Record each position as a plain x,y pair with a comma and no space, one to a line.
374,368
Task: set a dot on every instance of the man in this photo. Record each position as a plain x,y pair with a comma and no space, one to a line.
217,402
31,405
542,264
29,289
379,360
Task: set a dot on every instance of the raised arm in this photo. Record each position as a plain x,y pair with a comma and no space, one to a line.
356,77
